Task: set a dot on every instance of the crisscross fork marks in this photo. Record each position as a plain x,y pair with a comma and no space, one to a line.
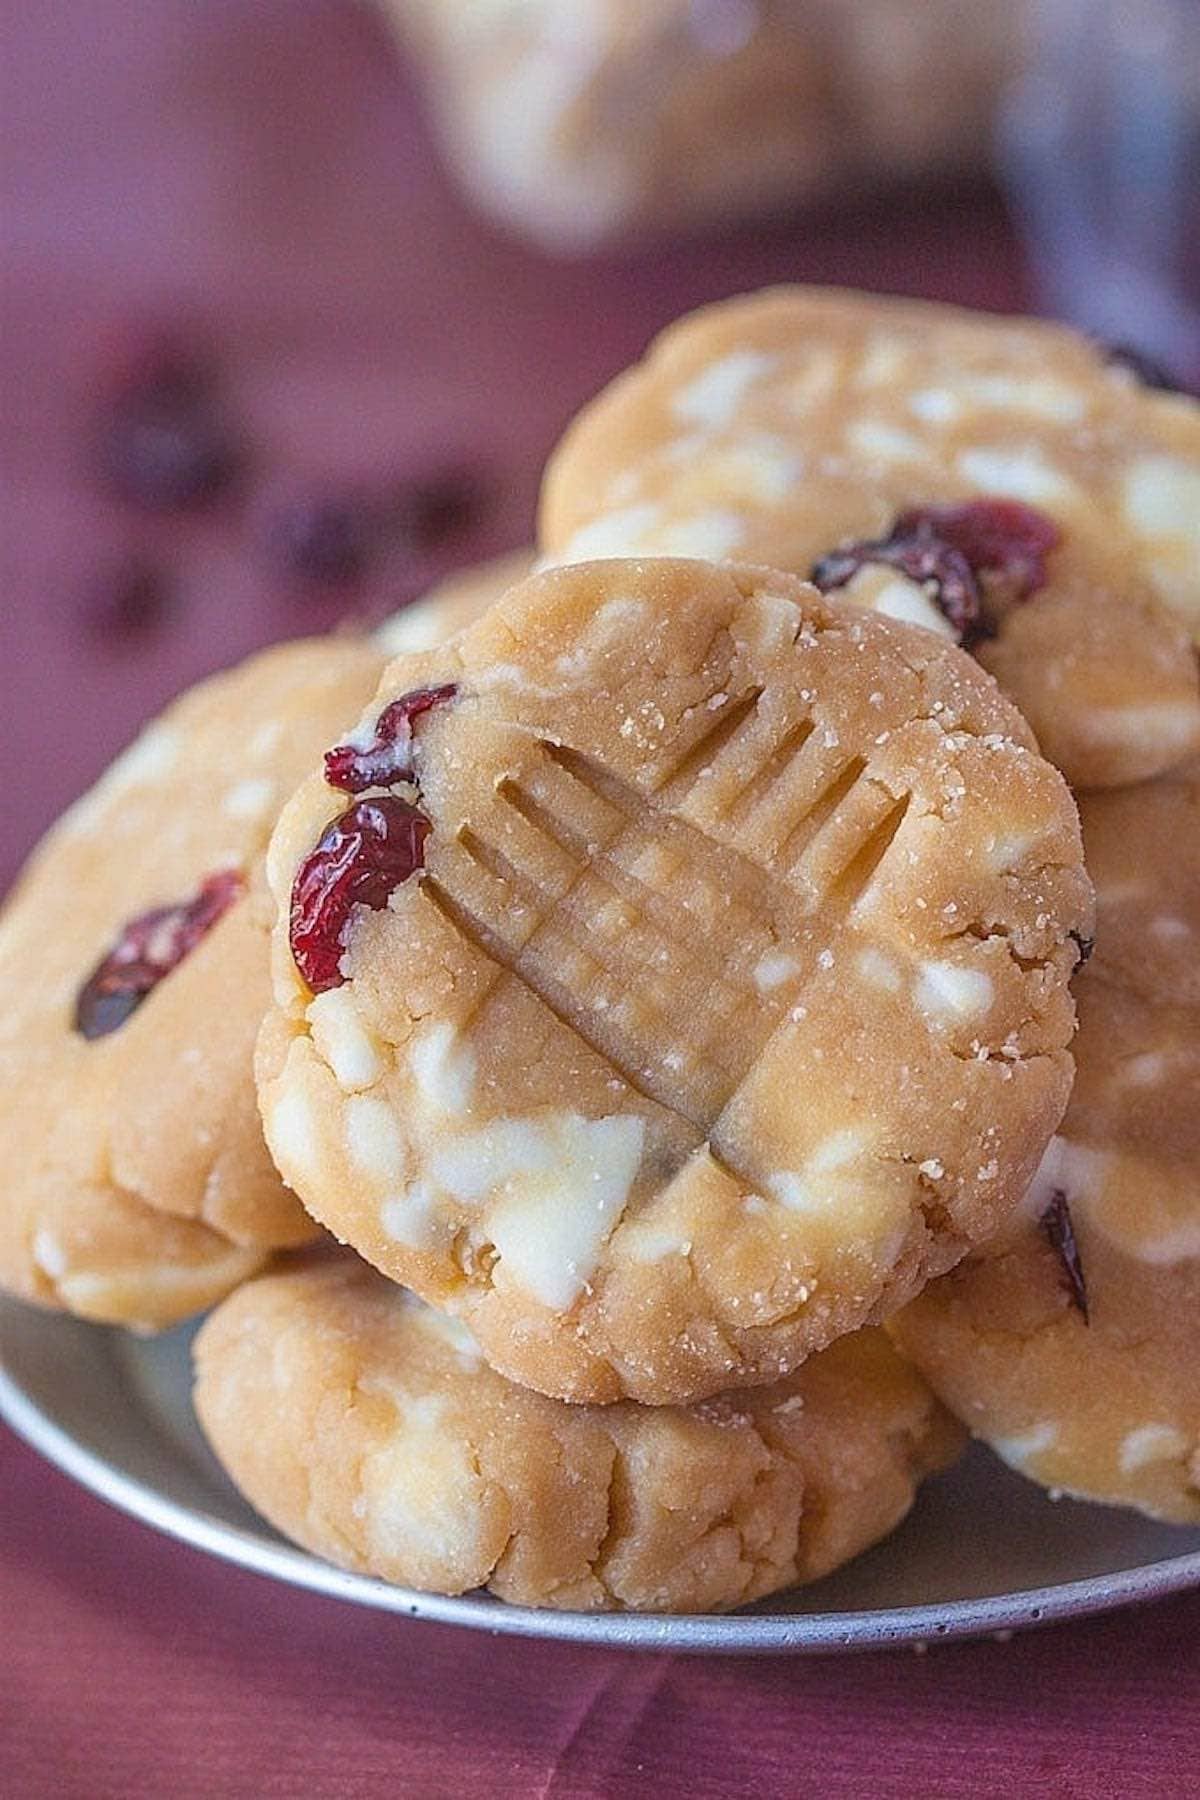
639,931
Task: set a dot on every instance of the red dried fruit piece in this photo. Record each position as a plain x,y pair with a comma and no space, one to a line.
981,551
362,857
147,950
388,757
1056,1227
131,600
162,443
926,559
432,509
329,540
1003,541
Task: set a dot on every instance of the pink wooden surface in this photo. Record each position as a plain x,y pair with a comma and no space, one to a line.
256,169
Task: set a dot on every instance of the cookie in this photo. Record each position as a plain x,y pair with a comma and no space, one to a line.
999,480
133,954
578,123
702,993
453,604
369,1428
1072,1343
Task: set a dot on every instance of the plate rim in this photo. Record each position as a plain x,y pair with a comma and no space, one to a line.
720,1633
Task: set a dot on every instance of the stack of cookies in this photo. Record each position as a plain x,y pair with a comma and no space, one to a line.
660,985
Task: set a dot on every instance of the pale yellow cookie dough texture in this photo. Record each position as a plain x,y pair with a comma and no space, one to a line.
1104,1403
137,1187
368,1428
731,1004
580,120
775,427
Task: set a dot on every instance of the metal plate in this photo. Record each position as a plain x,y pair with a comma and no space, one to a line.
983,1551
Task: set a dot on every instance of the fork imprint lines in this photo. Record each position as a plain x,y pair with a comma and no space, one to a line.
606,907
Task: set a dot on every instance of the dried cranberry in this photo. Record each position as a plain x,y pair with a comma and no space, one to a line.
147,950
162,442
1059,1233
130,600
926,559
388,757
360,860
971,556
1148,370
436,508
329,540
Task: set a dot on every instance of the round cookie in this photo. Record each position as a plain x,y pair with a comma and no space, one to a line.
368,1428
1000,480
1072,1342
133,952
452,605
705,995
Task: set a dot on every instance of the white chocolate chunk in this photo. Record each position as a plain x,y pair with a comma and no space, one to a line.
555,1185
1151,1444
1017,475
252,798
342,1039
946,991
443,1067
374,1139
712,397
49,1254
412,1216
1162,498
773,969
292,1130
709,535
422,1496
1018,1450
623,532
935,406
1042,395
881,442
416,627
883,590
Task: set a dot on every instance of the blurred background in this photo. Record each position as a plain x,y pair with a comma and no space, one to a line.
298,294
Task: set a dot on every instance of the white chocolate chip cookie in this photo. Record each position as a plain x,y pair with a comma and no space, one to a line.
133,953
1072,1342
998,480
687,983
369,1428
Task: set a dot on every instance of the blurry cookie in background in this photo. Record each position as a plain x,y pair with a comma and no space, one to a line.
369,1429
1002,481
133,952
1071,1343
576,121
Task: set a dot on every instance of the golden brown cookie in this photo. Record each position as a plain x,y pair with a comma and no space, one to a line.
133,952
1072,1342
368,1428
453,604
996,479
685,982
